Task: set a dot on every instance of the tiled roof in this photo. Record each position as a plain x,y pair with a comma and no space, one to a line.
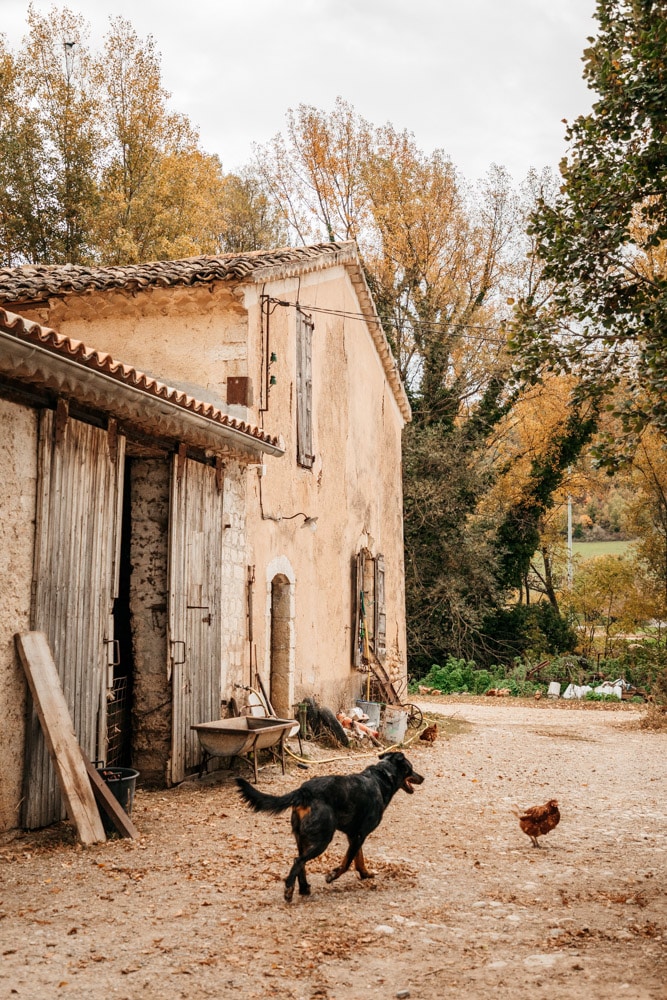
38,281
103,364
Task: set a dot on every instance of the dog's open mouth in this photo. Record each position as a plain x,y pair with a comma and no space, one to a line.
410,780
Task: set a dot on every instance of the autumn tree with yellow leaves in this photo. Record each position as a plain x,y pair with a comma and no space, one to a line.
444,260
95,166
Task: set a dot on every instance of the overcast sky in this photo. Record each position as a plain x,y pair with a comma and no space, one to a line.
485,80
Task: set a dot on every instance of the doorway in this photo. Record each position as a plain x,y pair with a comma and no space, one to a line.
281,694
119,696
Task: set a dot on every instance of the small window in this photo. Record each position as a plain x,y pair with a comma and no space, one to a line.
304,390
370,616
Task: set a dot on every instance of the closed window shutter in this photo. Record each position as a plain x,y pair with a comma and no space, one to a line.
304,390
357,587
380,610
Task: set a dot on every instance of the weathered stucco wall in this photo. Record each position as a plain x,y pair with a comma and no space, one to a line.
190,338
197,338
354,487
151,715
18,475
235,650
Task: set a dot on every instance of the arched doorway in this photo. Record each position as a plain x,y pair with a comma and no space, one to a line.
281,647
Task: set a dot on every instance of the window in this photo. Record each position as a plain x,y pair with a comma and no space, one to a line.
304,390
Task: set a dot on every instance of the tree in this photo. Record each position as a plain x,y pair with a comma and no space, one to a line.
159,192
647,515
602,240
608,601
26,214
449,559
249,219
95,167
50,151
315,173
442,259
435,251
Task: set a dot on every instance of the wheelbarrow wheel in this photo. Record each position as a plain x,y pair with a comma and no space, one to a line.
415,715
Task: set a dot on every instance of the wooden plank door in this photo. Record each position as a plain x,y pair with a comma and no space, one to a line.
80,482
195,596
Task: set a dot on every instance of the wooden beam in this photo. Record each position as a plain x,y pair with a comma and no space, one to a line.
109,803
59,735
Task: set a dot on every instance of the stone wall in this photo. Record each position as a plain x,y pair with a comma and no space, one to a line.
18,475
151,714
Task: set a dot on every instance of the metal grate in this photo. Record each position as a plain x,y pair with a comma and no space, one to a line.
118,723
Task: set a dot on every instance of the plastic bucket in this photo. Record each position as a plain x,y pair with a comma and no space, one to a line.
372,710
395,724
122,782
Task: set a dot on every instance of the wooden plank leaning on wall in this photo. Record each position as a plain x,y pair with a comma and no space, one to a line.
59,735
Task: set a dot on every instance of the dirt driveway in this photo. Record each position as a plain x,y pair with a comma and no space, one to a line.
461,905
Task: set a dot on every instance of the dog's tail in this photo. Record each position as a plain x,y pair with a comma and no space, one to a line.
261,802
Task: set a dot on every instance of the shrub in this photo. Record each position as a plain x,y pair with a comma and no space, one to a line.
512,632
598,696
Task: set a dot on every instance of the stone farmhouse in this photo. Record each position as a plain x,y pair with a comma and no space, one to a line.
172,433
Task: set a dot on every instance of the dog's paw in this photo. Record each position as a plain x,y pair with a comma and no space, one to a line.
304,890
289,892
366,874
332,876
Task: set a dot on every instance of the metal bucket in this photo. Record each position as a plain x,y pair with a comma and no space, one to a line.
122,782
395,724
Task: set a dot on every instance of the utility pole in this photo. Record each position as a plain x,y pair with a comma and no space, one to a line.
569,542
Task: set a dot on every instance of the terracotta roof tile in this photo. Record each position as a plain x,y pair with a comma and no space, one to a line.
37,281
103,363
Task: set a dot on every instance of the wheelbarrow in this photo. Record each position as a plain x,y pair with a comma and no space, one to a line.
246,734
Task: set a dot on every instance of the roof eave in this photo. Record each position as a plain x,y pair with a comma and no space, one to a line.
348,257
35,365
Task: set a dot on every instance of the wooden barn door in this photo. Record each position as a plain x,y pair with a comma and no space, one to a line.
195,596
80,483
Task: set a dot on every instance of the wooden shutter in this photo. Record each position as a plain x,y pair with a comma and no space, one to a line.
80,484
195,611
380,616
304,390
357,587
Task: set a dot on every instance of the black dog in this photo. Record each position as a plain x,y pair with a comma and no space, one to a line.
352,803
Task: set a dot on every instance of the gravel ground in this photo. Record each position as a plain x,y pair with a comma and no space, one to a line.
461,903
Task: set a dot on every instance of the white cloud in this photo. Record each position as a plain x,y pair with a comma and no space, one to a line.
486,81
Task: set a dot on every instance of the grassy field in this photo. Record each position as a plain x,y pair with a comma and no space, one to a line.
589,550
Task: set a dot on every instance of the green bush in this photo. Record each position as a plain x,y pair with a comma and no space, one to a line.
521,630
464,677
596,696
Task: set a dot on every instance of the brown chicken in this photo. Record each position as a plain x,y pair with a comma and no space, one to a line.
430,734
539,820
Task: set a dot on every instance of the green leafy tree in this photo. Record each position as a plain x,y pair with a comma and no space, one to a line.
602,239
449,559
